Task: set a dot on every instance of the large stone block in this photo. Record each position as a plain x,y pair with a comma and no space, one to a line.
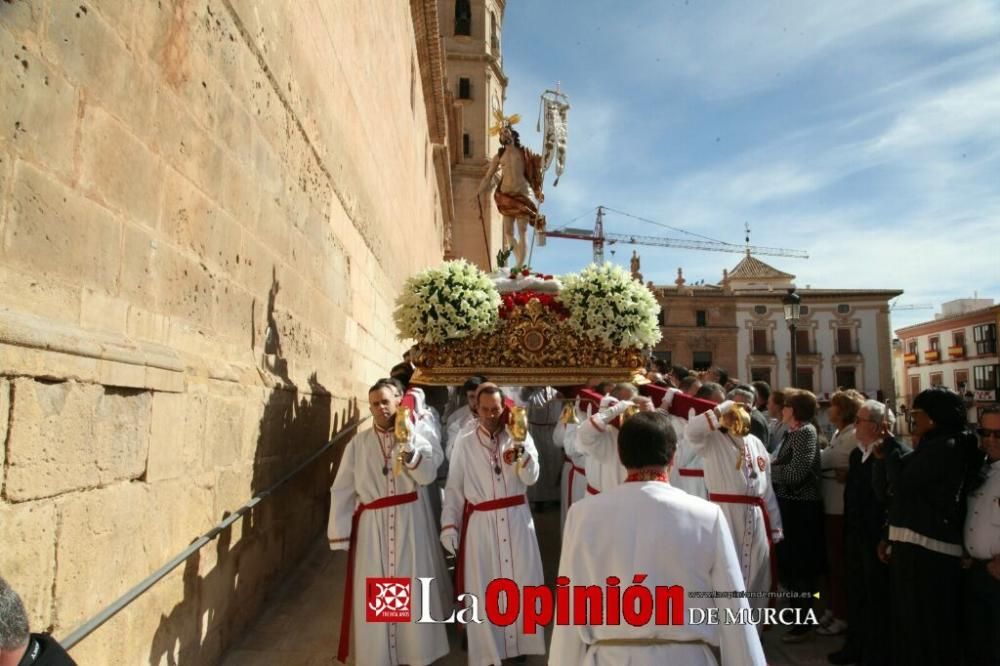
101,312
196,223
69,436
176,435
27,559
52,230
183,286
94,56
100,530
34,99
221,445
120,170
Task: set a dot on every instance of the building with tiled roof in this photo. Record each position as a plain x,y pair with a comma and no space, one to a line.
957,349
843,337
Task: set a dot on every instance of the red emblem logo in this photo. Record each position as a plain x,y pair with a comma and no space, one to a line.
388,599
761,463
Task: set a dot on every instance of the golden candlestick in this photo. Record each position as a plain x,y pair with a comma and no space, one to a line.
402,431
517,426
629,412
736,420
569,415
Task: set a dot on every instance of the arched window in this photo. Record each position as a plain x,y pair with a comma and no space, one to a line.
463,17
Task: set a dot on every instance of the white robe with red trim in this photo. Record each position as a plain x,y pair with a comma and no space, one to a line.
397,541
686,457
498,544
655,529
740,466
573,482
599,445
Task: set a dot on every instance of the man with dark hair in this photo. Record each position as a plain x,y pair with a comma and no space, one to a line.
763,390
20,647
711,391
465,416
646,527
487,525
403,372
717,375
376,515
690,385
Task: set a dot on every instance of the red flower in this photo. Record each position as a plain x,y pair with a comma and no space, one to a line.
515,299
525,272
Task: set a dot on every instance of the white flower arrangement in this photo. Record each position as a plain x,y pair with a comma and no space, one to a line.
604,302
454,300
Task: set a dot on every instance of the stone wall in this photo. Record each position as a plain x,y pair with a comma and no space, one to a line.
206,209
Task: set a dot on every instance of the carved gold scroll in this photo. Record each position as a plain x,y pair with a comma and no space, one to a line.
532,346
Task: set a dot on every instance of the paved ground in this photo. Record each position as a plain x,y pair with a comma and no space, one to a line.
301,622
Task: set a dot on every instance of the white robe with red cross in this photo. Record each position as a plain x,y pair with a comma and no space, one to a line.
739,466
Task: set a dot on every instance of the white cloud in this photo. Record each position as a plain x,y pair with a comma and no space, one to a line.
726,50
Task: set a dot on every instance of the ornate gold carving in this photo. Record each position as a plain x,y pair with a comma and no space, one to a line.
532,346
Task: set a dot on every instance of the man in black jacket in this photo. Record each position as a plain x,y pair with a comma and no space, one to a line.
864,521
18,646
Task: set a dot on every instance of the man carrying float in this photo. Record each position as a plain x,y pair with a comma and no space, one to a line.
738,477
486,521
376,515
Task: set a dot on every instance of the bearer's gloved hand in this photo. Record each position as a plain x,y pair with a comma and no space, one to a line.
449,539
340,544
668,399
614,411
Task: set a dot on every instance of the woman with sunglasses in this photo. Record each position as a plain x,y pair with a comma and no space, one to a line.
926,515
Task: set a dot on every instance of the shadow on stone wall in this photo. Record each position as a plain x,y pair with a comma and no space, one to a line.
224,590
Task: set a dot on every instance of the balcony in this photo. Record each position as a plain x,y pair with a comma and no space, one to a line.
910,358
956,351
932,356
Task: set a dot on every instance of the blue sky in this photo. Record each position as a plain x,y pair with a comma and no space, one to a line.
865,133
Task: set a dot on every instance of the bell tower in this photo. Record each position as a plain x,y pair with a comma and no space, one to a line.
471,32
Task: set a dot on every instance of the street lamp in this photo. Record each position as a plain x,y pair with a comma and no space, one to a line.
792,311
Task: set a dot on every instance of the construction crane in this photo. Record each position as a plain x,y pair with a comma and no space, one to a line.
600,238
896,306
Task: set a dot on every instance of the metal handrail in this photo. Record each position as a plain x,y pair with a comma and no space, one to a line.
119,604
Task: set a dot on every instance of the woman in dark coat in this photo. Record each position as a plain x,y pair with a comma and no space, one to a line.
795,475
926,492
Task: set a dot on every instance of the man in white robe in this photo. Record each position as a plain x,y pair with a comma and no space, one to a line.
573,480
486,523
646,526
377,516
688,471
738,477
597,435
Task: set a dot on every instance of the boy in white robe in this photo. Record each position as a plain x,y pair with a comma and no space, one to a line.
378,517
486,523
646,526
